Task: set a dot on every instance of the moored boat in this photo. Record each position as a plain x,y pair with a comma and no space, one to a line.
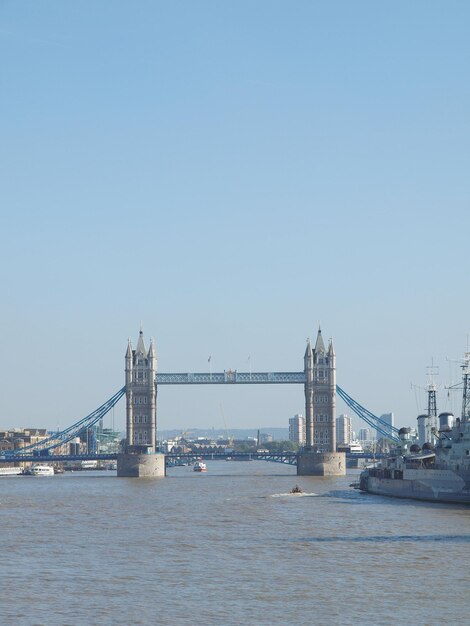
10,471
42,470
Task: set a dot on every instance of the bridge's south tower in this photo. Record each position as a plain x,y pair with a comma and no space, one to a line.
141,370
319,457
140,458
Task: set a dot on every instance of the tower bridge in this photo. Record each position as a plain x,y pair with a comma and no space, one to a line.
318,378
141,456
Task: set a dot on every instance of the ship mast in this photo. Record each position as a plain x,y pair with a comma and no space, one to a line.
466,390
431,388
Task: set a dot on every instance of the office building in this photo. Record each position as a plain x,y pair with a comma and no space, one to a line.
344,432
297,429
389,418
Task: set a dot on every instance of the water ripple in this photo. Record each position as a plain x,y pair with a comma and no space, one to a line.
388,539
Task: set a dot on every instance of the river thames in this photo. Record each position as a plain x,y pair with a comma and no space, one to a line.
228,547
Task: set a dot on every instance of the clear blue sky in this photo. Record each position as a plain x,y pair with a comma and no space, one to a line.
230,174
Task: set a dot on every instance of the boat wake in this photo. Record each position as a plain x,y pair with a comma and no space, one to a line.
294,495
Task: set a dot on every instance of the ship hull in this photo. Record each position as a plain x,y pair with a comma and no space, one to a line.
425,487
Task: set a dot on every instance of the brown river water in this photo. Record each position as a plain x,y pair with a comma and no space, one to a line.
227,547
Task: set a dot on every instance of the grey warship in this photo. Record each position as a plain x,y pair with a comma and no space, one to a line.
439,471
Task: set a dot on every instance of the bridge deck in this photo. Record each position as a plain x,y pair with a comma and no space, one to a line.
174,458
231,377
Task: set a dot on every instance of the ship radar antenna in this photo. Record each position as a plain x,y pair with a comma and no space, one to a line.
464,385
431,388
466,390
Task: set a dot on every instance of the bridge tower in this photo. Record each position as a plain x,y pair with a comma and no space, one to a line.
141,457
141,392
324,385
319,457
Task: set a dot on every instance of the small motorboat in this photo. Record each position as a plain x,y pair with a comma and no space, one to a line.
199,466
296,489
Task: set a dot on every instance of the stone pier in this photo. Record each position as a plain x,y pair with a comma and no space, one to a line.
141,465
321,464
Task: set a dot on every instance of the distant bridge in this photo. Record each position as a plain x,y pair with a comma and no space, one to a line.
55,458
174,459
287,458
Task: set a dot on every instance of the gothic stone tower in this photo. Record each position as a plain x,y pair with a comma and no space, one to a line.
140,458
141,369
324,395
320,457
320,390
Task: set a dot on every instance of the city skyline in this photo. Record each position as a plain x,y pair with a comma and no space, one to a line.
231,177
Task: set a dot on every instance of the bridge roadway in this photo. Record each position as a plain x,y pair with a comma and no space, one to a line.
230,377
173,459
55,458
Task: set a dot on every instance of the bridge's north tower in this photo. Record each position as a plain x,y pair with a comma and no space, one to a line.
141,396
140,458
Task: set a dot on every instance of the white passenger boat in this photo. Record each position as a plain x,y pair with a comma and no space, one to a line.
199,466
10,471
42,470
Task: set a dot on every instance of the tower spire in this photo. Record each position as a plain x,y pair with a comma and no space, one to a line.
331,350
141,344
308,349
319,345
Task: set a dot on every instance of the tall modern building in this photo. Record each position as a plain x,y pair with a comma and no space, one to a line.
389,418
344,432
297,429
366,435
